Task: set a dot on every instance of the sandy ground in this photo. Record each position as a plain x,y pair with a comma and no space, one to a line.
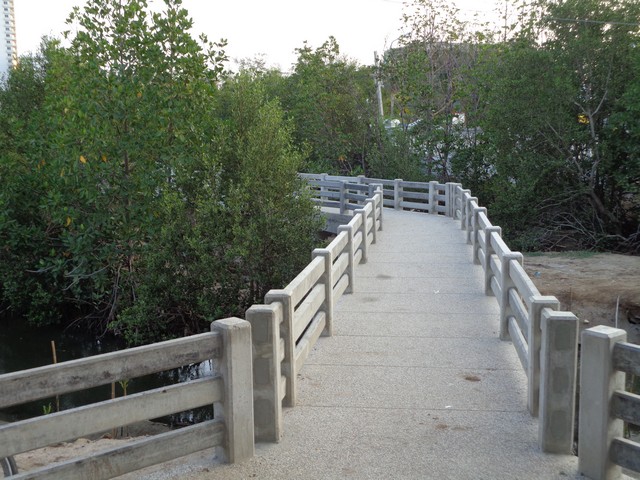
589,285
64,451
83,446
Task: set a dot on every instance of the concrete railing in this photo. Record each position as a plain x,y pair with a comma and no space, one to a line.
258,362
339,199
605,360
229,392
287,326
292,319
338,192
545,339
343,196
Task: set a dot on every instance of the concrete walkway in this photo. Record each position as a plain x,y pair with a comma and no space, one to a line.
415,384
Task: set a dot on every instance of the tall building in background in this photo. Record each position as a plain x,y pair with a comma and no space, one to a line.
8,48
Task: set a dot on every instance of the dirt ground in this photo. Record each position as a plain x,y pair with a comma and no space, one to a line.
590,285
83,446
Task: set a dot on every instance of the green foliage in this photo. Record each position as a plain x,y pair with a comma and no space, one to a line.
519,166
248,228
549,138
475,167
266,197
395,156
138,196
122,102
124,384
427,81
621,153
328,98
330,101
148,192
26,232
560,118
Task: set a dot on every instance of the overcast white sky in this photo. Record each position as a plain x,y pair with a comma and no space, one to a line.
274,28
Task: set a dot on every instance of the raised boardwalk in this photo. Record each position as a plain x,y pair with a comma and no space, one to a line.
414,384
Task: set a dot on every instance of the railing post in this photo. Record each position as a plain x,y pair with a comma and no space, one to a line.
268,382
463,211
323,189
598,381
489,251
374,227
397,194
534,340
433,190
363,229
452,198
379,195
343,198
235,366
351,252
476,229
506,284
558,367
327,280
470,215
447,201
286,332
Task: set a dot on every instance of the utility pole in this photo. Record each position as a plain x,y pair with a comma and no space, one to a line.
379,84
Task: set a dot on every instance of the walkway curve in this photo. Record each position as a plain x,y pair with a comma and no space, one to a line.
414,384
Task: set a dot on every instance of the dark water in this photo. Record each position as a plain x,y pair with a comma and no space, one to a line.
23,347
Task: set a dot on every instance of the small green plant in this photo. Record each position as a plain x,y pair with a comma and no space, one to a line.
47,409
122,431
124,384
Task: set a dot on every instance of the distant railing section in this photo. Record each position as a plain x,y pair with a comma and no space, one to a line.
287,327
229,393
343,196
605,405
341,192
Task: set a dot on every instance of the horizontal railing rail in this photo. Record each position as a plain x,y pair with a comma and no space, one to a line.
605,405
228,391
